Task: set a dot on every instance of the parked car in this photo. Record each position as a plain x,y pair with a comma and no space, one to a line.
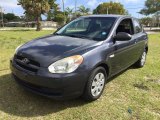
80,57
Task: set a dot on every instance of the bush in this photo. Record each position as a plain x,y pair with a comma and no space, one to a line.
59,18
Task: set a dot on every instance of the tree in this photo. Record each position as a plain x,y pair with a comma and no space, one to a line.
35,8
8,17
69,12
110,8
29,17
156,19
147,21
59,18
83,10
151,6
11,17
53,9
127,13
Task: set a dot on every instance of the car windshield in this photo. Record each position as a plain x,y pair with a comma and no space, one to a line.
94,28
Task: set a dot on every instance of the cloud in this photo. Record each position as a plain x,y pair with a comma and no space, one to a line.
92,3
131,0
10,6
9,3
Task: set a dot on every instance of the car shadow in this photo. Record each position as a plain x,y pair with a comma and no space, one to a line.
120,73
15,100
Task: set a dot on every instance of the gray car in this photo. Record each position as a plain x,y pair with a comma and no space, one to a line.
80,57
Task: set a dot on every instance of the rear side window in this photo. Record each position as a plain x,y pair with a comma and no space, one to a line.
138,27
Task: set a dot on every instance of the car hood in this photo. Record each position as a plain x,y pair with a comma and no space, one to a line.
51,48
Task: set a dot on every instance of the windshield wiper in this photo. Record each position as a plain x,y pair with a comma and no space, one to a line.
74,35
56,33
79,36
64,35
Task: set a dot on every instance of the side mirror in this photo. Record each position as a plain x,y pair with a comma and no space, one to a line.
122,36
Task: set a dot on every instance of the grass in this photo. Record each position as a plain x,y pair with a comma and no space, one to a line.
133,95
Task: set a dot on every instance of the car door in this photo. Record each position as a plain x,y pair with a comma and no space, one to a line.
121,58
138,42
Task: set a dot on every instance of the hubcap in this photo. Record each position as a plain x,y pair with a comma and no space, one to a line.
143,59
98,84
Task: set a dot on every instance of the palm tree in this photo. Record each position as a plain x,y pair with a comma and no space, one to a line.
83,10
69,11
35,8
53,9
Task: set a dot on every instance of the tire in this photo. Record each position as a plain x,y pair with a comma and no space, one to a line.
95,85
141,62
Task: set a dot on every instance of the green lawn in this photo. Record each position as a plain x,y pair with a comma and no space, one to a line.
133,95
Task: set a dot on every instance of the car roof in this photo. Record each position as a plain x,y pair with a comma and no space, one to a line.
106,15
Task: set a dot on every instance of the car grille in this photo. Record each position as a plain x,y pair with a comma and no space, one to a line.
26,63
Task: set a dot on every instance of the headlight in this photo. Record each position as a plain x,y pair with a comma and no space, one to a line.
66,65
17,48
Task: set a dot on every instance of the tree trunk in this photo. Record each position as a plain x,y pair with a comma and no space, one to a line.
38,23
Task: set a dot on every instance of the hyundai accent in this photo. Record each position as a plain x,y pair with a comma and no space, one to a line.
79,58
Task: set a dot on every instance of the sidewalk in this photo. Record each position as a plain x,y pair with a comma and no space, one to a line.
153,30
22,28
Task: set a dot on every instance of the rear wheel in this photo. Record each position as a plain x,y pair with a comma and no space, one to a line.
95,85
141,62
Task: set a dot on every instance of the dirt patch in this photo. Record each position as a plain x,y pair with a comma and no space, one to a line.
141,86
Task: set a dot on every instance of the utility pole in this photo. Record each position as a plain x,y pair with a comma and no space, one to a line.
64,12
107,10
158,17
1,10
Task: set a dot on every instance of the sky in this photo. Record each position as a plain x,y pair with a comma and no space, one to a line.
133,6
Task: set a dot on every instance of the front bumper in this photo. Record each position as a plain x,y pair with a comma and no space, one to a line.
57,86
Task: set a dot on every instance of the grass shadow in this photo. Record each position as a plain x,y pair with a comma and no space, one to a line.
15,100
141,86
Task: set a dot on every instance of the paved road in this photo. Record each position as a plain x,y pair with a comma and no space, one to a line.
23,28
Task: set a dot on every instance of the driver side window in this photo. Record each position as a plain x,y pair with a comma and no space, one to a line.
126,26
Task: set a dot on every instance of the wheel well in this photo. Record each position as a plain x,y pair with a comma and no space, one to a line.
105,66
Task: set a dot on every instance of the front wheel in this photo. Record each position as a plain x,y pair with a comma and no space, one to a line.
141,62
95,84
